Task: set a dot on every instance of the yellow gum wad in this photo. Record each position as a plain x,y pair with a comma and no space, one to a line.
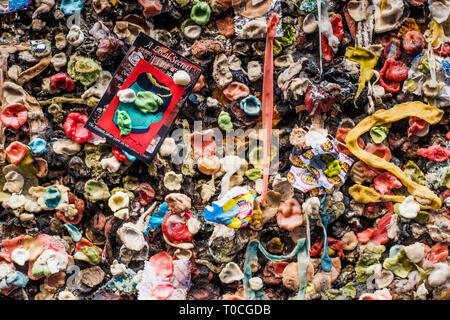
363,194
367,61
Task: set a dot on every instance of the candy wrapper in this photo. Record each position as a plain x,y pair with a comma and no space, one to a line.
250,20
7,6
234,209
138,118
309,173
165,279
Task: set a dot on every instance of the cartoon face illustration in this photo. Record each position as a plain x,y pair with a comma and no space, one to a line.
291,178
327,146
308,179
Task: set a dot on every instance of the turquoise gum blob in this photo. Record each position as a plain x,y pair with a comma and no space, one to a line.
71,6
73,231
38,146
18,279
52,197
200,12
129,156
251,105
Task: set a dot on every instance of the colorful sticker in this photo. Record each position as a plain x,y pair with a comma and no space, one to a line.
8,6
308,172
147,69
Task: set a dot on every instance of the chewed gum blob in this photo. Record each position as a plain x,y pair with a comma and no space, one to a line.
16,151
38,146
200,12
148,101
181,77
251,105
126,95
124,122
224,121
14,115
52,197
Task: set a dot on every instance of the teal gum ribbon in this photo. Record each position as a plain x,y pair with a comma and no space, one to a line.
301,250
326,260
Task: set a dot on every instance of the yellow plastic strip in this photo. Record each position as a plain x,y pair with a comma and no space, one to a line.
362,194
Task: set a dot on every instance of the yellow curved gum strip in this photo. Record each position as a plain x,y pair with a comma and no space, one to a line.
430,114
367,61
383,5
364,194
436,34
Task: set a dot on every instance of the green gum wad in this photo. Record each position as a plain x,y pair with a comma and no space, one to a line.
422,217
187,167
92,253
253,174
96,190
447,180
277,48
124,122
333,169
83,69
40,269
182,3
365,266
424,66
200,12
92,157
152,170
288,37
28,166
414,172
349,290
410,85
130,194
224,121
147,101
398,262
378,134
255,156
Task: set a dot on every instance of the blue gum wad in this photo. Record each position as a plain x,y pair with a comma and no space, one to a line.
52,196
139,119
157,218
126,282
310,5
73,231
251,105
71,6
38,145
398,262
18,279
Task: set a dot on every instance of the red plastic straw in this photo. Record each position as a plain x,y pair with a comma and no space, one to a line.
267,101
